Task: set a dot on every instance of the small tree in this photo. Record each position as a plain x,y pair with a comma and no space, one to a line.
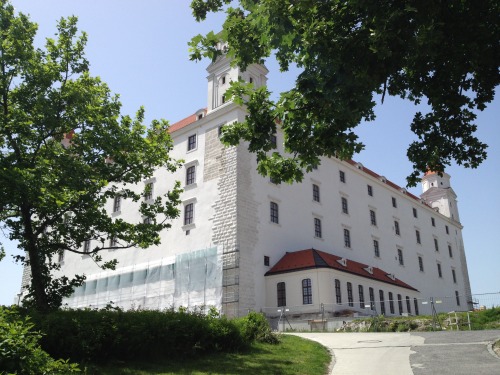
65,152
443,53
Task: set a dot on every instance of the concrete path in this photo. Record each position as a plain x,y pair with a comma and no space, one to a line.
410,353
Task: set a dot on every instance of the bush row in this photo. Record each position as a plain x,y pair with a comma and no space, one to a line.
101,335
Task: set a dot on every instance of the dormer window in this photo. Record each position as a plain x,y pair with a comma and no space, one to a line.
200,116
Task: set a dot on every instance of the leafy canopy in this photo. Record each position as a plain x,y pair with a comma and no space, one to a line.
66,154
443,53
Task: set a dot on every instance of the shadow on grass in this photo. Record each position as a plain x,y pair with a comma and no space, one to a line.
290,357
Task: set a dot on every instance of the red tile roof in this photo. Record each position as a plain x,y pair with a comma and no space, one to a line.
390,183
311,258
184,122
192,118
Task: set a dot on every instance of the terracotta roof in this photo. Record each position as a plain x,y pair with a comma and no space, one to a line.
192,118
184,122
312,258
390,183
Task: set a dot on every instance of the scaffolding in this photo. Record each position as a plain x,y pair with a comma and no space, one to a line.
192,280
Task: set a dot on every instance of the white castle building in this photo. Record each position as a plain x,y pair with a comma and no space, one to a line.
346,238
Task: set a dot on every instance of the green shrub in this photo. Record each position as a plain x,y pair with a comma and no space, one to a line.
103,335
255,327
20,352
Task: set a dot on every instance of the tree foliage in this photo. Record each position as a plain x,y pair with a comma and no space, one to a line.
442,53
66,153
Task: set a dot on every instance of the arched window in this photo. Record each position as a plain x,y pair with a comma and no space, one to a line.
306,292
281,291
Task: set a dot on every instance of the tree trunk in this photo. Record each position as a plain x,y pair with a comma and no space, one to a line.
37,260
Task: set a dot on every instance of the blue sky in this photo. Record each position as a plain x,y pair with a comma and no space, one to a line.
140,50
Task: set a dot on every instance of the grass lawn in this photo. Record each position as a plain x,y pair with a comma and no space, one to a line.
293,355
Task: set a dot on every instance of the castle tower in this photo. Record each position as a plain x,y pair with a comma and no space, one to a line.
221,74
437,193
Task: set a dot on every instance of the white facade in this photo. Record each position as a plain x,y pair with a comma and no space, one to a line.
221,257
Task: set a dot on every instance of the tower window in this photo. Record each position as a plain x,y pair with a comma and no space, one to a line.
148,191
417,234
266,260
394,202
440,273
189,214
117,203
373,218
370,190
433,222
415,214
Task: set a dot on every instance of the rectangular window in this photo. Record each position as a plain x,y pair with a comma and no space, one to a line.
370,190
306,292
440,273
376,248
372,298
191,142
86,246
417,234
361,296
400,257
147,220
266,260
347,238
281,291
391,303
396,228
338,292
421,264
342,176
148,191
415,214
317,227
60,256
400,304
433,222
373,218
117,203
457,296
189,213
447,229
450,251
274,212
315,193
436,244
415,303
190,175
345,207
394,202
408,305
382,302
113,242
350,299
454,275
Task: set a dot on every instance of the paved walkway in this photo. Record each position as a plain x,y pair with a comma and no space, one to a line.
424,353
